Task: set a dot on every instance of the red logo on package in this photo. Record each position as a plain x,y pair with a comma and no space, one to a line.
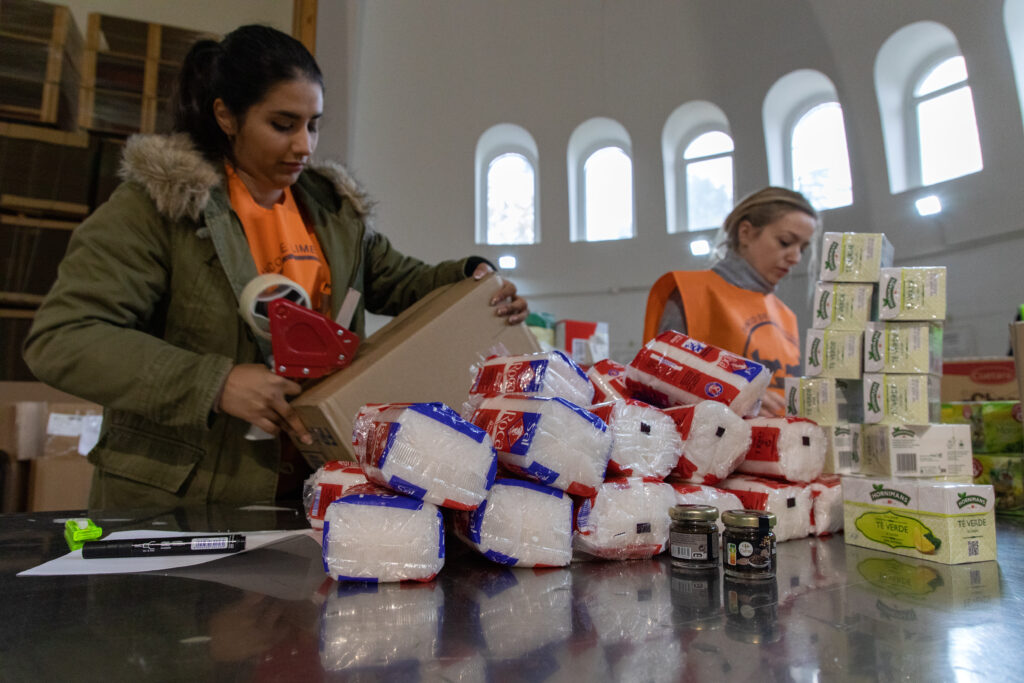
327,494
764,444
377,442
683,417
687,379
684,468
752,500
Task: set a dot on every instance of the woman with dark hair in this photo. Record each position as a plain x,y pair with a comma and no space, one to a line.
732,305
143,317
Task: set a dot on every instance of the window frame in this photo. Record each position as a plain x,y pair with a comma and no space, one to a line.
798,112
594,146
911,117
500,150
682,178
504,138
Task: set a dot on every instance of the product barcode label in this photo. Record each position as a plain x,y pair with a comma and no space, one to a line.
682,552
845,459
215,543
972,548
906,462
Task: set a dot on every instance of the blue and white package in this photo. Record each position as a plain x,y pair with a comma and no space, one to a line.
548,440
521,524
552,374
426,451
373,534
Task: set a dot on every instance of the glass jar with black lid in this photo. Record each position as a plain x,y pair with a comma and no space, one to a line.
748,544
693,537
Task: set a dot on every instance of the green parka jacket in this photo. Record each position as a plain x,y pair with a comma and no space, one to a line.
143,319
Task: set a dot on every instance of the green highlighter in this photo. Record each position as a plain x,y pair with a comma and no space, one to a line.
78,530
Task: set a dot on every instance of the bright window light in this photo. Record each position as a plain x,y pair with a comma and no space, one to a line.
507,262
700,247
928,206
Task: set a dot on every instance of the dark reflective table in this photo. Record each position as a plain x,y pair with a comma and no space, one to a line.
834,613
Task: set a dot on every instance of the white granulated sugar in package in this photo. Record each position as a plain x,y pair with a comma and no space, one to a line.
548,440
627,518
373,534
645,442
521,611
673,369
790,448
326,485
362,630
627,603
521,524
550,374
698,494
714,441
609,380
425,450
827,505
791,503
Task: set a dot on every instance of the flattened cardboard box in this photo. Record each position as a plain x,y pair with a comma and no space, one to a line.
424,354
979,379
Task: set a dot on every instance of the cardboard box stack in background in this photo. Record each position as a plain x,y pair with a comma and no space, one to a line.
585,342
44,437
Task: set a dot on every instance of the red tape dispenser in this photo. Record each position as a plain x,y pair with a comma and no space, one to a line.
307,344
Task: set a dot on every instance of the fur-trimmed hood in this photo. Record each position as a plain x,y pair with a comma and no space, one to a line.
179,179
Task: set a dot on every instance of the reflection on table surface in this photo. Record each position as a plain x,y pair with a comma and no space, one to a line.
834,612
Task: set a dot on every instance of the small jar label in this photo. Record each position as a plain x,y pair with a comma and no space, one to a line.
693,546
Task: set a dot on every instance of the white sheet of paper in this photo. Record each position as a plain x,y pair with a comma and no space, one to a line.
73,563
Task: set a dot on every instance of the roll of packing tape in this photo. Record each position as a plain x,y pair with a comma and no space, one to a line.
258,294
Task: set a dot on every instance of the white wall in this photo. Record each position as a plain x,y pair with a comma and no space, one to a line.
218,16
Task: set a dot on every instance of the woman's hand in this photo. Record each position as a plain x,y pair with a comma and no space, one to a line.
772,405
509,305
255,394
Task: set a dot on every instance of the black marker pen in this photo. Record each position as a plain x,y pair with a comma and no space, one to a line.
172,545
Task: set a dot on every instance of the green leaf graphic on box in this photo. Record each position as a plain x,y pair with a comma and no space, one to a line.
889,300
823,306
815,354
875,350
831,262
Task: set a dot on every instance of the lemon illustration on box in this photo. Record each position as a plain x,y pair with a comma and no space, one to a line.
900,578
898,531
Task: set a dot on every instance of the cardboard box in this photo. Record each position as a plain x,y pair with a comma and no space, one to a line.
979,379
834,353
901,399
59,483
931,450
585,342
843,449
842,305
937,521
913,347
996,426
1005,473
424,354
854,256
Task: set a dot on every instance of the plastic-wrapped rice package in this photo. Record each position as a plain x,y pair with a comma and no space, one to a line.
790,448
826,505
367,627
714,441
552,373
609,380
645,441
326,485
522,611
548,440
673,369
791,503
698,494
521,524
374,535
425,450
627,518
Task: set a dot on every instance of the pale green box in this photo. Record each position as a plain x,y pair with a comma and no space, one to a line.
901,399
834,353
912,293
854,256
842,305
929,450
910,347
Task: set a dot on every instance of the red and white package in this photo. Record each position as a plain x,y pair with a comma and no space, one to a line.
673,369
714,441
826,505
609,380
547,374
327,485
626,519
790,448
791,503
698,494
645,442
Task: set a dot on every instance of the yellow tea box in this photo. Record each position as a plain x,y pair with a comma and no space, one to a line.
996,426
854,256
843,449
833,353
901,399
911,347
1005,473
825,400
938,521
912,293
930,450
842,305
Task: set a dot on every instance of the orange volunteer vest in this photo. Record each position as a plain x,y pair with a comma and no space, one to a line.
754,325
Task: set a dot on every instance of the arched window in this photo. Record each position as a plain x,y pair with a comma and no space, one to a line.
947,132
507,187
600,182
819,161
709,192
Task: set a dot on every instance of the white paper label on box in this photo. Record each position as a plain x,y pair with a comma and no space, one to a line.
90,433
61,424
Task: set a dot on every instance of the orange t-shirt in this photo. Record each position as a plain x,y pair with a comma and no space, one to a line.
281,242
754,325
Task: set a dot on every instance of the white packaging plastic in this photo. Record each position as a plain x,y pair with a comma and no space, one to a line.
374,535
714,441
365,630
698,494
522,612
826,505
609,380
645,441
627,518
673,369
790,448
627,603
326,485
521,524
791,503
550,374
425,450
548,440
